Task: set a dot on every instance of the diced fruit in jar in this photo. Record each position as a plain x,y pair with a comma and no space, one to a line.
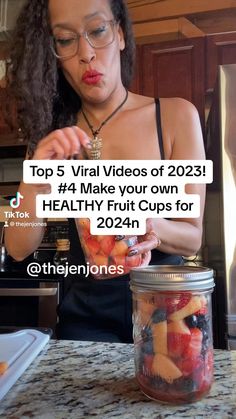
92,245
178,338
165,368
204,309
119,260
159,336
191,307
202,322
191,321
195,345
147,346
120,248
159,315
147,364
107,244
188,365
178,327
175,358
144,309
175,303
100,260
100,237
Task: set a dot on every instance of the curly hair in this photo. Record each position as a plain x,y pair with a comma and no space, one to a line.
45,99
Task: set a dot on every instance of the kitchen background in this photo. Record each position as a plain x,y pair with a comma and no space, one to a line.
190,48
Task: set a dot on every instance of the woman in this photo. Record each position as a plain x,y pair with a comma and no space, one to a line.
72,66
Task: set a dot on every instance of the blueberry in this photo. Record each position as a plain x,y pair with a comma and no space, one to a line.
147,347
205,342
159,315
202,322
205,335
191,321
159,384
185,385
146,333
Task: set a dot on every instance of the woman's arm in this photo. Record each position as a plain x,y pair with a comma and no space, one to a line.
60,144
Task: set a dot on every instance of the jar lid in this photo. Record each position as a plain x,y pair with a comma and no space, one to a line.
172,278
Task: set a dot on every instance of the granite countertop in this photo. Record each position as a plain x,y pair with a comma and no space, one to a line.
72,379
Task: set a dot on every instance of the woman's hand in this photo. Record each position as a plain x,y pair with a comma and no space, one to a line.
146,243
62,144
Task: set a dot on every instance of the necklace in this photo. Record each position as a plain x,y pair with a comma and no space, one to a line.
95,152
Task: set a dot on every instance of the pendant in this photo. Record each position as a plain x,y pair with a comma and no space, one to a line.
95,152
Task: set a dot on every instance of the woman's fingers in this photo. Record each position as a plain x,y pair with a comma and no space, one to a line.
150,242
84,139
62,144
146,257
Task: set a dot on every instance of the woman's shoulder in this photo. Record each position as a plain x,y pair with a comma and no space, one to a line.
173,106
178,105
139,101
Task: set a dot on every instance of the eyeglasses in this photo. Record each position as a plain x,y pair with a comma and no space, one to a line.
98,35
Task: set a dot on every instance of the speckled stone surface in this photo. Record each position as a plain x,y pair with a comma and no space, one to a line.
86,380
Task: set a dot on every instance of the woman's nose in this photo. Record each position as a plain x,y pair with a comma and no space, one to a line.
86,52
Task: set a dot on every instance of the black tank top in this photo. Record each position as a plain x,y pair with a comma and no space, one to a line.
158,257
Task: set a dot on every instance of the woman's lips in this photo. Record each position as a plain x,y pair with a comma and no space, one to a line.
91,77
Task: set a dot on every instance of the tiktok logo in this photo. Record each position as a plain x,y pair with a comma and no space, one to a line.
15,202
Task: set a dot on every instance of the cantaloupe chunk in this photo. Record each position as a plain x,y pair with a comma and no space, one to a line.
165,368
191,307
100,260
159,336
178,326
120,248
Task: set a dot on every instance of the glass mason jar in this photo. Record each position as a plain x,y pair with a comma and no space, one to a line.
106,256
172,321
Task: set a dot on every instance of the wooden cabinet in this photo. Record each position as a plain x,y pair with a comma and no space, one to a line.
172,62
175,69
176,58
220,49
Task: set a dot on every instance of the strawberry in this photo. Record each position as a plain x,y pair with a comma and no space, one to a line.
92,245
189,365
195,345
174,304
177,344
147,364
107,244
85,234
203,311
191,307
203,375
